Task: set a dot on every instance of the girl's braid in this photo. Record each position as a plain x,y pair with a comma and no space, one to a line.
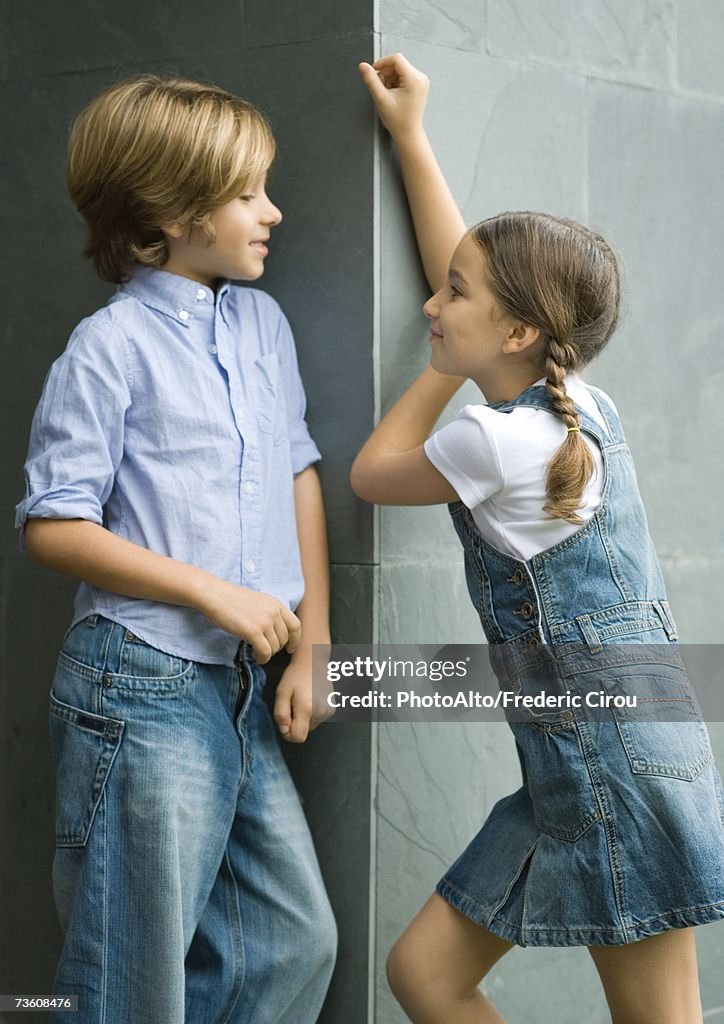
572,466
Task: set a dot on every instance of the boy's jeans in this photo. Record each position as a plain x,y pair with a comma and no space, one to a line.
185,877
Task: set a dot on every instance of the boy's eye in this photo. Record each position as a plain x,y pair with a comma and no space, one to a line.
454,291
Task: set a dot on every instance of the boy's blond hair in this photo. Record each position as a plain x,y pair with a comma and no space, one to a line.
154,150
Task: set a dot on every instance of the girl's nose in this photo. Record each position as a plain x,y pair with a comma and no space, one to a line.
431,308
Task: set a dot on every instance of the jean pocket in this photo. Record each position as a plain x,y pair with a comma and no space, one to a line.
84,748
664,734
564,800
143,667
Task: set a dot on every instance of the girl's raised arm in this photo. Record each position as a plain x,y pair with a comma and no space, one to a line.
399,92
392,467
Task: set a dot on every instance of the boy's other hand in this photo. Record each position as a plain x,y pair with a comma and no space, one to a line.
260,619
399,92
300,704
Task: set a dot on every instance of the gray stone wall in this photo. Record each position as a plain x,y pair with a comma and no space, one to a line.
609,112
612,113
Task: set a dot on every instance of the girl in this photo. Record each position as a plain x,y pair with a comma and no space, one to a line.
616,838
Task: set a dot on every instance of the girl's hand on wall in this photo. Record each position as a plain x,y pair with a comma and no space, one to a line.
399,92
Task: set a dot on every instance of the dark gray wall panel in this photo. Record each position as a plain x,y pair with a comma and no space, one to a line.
53,59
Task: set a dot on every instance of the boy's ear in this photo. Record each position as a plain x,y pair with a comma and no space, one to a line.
173,230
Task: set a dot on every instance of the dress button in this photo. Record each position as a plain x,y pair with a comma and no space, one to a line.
201,295
130,635
534,641
213,349
183,314
250,566
568,715
249,487
525,610
517,576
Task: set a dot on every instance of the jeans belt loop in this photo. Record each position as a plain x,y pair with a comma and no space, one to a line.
662,609
589,634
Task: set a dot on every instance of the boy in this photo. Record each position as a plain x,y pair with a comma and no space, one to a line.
170,470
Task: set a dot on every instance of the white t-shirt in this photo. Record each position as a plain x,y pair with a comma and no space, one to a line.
497,463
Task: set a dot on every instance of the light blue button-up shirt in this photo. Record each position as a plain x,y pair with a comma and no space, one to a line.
175,418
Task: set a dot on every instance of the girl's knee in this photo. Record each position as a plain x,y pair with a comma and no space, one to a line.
408,970
400,967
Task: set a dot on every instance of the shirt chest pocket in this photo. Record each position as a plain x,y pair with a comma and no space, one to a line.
268,397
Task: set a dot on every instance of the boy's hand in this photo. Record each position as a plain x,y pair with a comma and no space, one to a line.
300,705
260,619
399,92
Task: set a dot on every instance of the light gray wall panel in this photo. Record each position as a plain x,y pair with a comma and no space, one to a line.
700,39
665,365
629,39
460,26
512,133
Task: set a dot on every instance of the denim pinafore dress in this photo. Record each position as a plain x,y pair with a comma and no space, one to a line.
617,831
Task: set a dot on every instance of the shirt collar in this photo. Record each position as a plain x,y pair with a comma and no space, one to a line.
179,297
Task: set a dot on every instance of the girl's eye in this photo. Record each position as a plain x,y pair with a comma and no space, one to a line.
247,198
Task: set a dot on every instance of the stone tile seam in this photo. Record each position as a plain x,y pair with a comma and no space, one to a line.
590,74
531,63
705,558
14,59
675,90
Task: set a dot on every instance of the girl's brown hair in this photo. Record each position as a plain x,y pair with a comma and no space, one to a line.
154,150
561,277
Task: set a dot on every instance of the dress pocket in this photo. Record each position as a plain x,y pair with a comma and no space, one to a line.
84,748
559,784
664,734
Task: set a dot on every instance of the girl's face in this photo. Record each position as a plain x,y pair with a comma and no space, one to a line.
242,231
469,334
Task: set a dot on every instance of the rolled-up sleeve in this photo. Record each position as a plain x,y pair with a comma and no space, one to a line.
77,433
304,450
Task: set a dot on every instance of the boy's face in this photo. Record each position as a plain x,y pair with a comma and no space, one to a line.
242,230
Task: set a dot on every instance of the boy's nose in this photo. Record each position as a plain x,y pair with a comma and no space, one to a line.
274,215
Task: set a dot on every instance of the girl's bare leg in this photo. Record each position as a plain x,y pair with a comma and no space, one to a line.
436,965
654,981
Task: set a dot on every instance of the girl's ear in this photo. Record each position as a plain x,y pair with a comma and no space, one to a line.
520,337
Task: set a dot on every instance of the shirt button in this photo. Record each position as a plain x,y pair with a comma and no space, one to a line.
249,488
250,566
201,295
183,314
213,349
